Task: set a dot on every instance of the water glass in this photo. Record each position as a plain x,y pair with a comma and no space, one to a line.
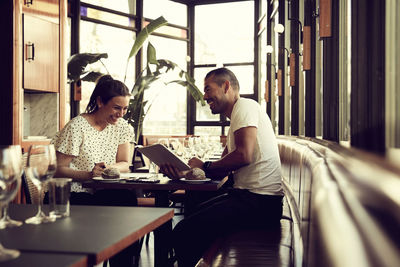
10,181
59,193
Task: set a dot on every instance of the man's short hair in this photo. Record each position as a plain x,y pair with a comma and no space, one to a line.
223,74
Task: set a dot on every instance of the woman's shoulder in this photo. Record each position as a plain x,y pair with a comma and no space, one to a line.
76,123
122,123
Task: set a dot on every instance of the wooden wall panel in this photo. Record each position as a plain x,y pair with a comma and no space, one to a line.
307,48
325,18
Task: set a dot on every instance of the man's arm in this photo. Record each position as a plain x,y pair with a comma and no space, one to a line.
245,141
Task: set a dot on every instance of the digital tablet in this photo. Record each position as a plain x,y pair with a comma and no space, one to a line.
160,155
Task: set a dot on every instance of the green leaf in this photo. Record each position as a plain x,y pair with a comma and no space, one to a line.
92,76
151,54
77,64
192,88
144,33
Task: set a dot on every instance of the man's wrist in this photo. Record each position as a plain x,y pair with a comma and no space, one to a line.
206,165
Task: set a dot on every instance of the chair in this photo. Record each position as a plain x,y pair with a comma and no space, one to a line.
137,159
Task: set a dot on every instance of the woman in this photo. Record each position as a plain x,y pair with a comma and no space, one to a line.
94,141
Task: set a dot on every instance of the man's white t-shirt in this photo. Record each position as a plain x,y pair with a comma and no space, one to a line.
263,174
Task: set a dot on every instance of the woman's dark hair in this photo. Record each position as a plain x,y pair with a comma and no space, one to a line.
106,88
221,75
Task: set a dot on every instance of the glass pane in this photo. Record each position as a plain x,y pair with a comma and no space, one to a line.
207,130
108,17
168,112
126,6
203,113
170,49
173,12
245,76
173,31
223,33
97,38
167,115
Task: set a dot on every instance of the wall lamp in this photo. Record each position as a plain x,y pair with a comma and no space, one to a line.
297,20
279,28
282,50
269,50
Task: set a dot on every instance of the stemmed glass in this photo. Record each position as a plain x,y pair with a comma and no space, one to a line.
10,181
5,220
40,169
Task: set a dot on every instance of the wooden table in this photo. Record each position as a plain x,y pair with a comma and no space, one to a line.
161,189
97,232
41,259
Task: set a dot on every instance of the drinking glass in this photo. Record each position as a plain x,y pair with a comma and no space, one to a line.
40,169
5,220
10,181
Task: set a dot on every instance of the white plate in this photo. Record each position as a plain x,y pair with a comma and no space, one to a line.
195,181
106,180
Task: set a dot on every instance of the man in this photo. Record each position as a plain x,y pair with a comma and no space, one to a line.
251,154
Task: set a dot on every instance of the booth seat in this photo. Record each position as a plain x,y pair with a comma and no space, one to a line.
341,208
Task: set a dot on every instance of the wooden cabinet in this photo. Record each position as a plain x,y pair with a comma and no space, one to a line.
46,9
33,92
41,52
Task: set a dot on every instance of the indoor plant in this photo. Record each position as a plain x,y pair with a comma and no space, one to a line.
154,69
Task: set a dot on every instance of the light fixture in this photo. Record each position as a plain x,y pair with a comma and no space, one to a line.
268,82
282,50
279,28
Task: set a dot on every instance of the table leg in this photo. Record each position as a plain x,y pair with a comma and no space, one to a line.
161,198
162,245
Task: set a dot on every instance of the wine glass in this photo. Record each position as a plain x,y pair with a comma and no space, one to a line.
40,169
5,220
10,181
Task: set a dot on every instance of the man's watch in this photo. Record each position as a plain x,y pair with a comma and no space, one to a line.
206,165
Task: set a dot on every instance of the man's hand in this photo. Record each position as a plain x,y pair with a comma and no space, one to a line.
171,171
195,163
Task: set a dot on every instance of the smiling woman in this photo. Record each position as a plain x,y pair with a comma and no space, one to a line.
94,142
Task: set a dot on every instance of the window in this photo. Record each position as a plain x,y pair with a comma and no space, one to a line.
392,79
223,39
168,103
98,38
173,12
126,6
344,71
168,111
223,36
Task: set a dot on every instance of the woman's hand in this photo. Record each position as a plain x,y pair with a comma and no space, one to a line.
98,169
171,171
195,163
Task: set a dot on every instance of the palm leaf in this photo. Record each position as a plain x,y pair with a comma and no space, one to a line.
143,34
92,76
77,64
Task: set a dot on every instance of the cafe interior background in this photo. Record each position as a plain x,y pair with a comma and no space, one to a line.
255,39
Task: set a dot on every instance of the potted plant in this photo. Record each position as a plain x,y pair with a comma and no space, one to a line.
153,71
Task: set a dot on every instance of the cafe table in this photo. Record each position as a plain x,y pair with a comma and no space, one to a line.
161,189
41,259
90,235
